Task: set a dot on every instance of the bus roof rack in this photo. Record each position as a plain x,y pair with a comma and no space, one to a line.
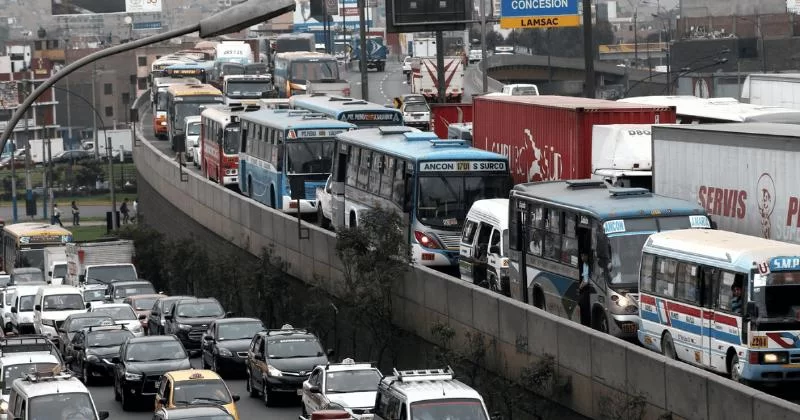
356,102
424,374
620,192
48,375
318,94
446,143
340,99
396,129
584,183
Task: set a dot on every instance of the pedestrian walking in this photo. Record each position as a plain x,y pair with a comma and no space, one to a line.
135,209
125,211
76,214
56,215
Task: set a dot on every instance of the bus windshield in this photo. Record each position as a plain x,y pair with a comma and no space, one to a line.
314,71
776,294
443,201
230,142
190,105
309,157
242,89
161,100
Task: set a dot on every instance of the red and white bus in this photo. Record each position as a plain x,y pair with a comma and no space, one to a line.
220,136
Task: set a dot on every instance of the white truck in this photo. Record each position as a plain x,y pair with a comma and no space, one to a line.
779,89
38,152
621,155
98,263
121,140
424,76
744,174
246,88
55,264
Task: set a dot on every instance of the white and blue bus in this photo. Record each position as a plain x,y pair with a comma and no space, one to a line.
552,224
723,301
355,111
285,155
432,182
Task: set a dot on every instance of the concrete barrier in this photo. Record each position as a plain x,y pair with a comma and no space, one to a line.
600,371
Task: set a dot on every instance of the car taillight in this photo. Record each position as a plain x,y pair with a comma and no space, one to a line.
426,240
753,357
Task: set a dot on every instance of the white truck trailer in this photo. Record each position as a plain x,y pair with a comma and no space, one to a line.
775,89
744,174
100,262
622,156
424,76
39,152
121,139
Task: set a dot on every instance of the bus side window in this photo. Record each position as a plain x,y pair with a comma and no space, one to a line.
483,240
688,283
646,273
537,232
399,189
552,239
710,282
353,159
665,276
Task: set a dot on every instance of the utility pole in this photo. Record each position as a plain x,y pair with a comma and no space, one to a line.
635,38
362,44
114,217
14,215
94,114
485,76
442,88
30,210
588,49
45,146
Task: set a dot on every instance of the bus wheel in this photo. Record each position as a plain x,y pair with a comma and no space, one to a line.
538,298
734,366
600,321
272,197
668,346
249,187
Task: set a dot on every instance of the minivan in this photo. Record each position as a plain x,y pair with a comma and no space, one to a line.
483,251
52,305
22,310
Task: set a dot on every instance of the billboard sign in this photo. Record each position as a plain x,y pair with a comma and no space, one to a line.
403,16
9,95
516,14
88,7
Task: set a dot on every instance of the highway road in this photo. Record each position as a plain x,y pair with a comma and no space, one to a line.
249,408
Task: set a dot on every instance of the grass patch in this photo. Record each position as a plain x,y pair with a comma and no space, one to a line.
82,200
87,233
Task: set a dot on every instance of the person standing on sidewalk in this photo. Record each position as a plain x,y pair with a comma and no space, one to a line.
125,211
56,215
76,214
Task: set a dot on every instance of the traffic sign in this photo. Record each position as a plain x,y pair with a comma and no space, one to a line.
539,14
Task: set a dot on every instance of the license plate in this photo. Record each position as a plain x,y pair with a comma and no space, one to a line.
299,392
629,328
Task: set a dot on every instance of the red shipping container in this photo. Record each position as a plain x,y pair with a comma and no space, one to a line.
443,115
549,138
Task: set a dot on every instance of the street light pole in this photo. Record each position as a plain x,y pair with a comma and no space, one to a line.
114,217
14,215
482,65
28,180
362,45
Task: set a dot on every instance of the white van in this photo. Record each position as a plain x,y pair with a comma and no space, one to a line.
192,130
428,393
22,311
52,306
483,251
6,302
51,395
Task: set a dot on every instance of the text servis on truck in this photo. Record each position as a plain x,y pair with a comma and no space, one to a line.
552,223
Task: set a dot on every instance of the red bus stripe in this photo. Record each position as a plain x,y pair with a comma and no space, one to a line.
683,309
647,299
724,319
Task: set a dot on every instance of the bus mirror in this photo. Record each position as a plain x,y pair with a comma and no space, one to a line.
82,278
752,310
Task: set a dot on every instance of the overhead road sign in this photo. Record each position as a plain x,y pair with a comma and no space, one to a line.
539,14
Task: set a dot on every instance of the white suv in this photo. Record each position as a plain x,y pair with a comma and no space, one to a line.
51,395
17,365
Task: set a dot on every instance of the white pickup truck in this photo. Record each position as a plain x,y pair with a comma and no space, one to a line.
324,198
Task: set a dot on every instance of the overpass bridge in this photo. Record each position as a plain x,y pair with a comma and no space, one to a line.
596,367
565,76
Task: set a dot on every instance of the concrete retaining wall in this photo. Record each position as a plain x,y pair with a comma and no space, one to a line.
599,370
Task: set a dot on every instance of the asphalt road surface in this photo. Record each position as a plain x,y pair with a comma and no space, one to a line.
249,408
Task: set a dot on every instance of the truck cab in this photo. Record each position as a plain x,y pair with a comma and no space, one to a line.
520,89
622,155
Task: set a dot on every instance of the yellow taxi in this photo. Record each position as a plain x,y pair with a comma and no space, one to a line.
181,388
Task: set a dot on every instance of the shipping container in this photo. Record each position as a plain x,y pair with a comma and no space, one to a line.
549,138
442,115
744,174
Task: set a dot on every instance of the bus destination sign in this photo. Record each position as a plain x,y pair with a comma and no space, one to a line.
184,72
306,134
371,116
44,239
468,166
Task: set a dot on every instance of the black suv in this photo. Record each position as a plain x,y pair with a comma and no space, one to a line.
141,362
155,322
189,319
279,361
92,350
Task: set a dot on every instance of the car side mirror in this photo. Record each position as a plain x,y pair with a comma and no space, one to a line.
752,310
142,317
13,309
314,389
116,360
37,308
168,317
82,278
108,298
103,415
330,352
235,398
208,338
229,314
88,305
50,273
496,416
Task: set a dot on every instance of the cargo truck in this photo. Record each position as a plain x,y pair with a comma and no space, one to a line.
99,263
548,138
780,89
120,140
744,174
377,53
622,156
442,115
38,151
424,76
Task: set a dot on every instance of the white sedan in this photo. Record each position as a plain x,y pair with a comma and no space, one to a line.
122,314
352,386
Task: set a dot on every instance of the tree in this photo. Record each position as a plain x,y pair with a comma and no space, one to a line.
374,254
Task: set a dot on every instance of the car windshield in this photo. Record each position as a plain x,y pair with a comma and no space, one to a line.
198,309
282,348
136,289
194,129
155,350
12,372
108,338
450,408
197,391
94,295
309,157
117,313
365,380
77,324
417,108
776,294
110,274
314,71
239,330
64,405
26,303
143,303
444,200
65,302
231,140
28,277
60,271
243,89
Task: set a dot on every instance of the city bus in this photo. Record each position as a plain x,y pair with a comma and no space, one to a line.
293,71
355,111
551,224
24,244
723,301
219,139
159,66
286,154
197,70
184,101
158,99
430,181
693,110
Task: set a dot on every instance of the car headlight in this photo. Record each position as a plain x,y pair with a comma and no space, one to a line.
775,358
224,352
272,371
185,326
92,358
130,376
